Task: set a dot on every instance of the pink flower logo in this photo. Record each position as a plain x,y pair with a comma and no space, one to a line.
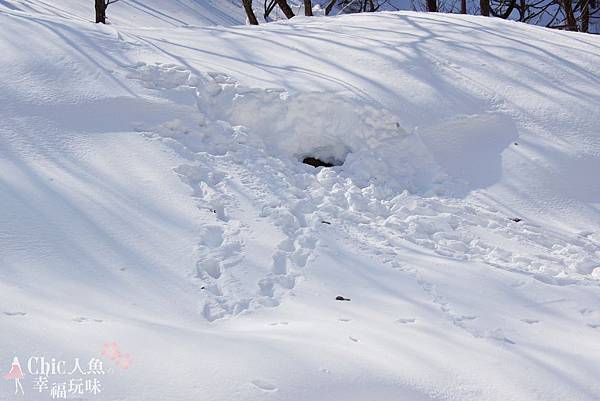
112,351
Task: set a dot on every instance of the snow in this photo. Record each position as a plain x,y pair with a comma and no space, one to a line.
163,13
152,194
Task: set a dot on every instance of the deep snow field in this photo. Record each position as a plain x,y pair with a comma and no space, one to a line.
152,195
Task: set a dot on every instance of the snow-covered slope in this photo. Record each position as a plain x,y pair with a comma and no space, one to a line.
152,194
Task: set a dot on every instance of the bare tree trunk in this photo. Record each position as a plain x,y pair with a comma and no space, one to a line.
250,12
463,6
585,15
100,12
329,7
308,8
285,8
101,6
522,10
432,6
485,7
571,23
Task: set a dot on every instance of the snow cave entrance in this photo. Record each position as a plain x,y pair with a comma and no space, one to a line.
325,157
316,162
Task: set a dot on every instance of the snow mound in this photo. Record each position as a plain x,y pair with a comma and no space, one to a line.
368,140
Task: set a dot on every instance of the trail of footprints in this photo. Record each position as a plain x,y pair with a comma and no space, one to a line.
220,167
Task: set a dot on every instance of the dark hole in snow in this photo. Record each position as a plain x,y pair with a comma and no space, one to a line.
313,161
516,219
341,298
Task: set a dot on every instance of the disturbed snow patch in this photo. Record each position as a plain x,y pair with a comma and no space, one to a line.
382,196
236,131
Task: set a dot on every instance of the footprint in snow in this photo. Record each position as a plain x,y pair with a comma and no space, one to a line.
264,385
498,335
81,319
465,317
278,323
552,301
406,321
14,313
353,339
530,321
404,269
586,311
343,319
594,325
213,236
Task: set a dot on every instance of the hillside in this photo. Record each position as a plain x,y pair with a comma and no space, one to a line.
152,194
